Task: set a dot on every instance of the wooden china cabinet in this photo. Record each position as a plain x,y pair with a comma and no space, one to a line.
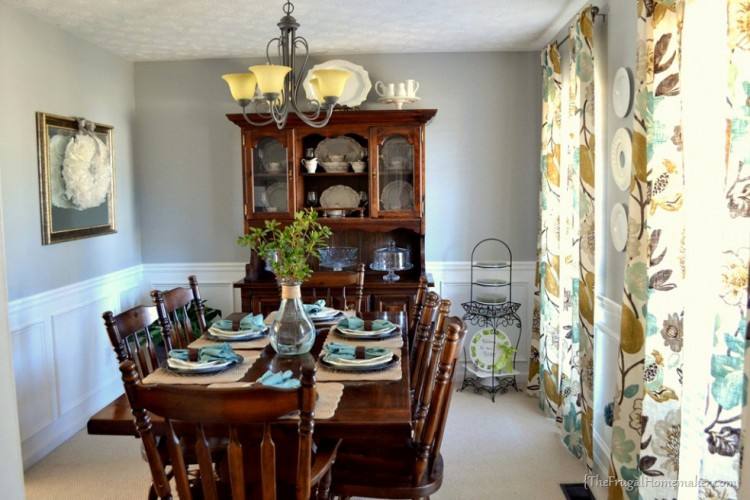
391,192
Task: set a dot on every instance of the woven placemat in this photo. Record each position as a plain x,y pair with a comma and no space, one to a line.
237,346
329,396
392,343
324,374
233,374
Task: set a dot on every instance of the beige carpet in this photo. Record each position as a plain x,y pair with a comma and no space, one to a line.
505,450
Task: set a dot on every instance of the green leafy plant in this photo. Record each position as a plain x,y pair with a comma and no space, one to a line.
292,245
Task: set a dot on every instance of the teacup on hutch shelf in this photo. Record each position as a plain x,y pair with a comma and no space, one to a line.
359,166
311,165
396,164
273,167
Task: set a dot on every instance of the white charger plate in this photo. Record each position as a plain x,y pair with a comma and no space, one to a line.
622,92
342,145
621,159
356,89
618,227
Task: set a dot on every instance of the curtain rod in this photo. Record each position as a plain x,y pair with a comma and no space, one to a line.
595,13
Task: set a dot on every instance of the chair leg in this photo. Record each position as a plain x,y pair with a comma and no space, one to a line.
324,488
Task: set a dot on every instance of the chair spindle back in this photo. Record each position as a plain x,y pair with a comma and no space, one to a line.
237,410
420,355
430,437
333,287
416,310
426,377
131,339
173,307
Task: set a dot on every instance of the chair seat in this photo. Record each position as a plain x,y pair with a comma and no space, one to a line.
383,473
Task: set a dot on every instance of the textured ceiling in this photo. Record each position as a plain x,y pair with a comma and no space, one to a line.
143,30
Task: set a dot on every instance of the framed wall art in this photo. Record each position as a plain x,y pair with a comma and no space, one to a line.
76,178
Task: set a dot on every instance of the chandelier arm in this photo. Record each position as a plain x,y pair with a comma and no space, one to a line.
262,123
312,114
268,47
312,122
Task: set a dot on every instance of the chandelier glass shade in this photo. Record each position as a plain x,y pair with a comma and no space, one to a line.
274,89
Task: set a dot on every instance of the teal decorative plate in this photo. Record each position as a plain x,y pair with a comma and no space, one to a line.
480,350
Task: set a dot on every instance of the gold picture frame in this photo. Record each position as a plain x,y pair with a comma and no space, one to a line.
61,219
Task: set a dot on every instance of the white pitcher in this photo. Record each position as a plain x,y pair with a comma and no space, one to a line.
401,90
412,86
311,165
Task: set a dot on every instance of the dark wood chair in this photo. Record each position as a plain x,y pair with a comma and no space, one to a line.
246,416
340,289
173,306
131,339
427,370
415,313
414,470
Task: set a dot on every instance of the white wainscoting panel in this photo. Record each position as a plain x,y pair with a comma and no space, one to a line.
64,366
606,347
215,280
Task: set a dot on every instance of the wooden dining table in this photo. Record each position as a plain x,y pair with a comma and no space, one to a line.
377,410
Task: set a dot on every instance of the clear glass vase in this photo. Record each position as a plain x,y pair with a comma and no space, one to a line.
292,331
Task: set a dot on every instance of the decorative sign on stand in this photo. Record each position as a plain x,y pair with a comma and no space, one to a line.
76,178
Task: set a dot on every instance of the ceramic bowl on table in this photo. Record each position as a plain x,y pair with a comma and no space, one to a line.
337,258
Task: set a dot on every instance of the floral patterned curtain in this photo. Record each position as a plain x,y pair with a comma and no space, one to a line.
724,403
561,368
650,409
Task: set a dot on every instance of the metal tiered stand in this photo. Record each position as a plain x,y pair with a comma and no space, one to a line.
491,312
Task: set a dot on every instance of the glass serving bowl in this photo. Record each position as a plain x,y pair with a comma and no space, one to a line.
337,258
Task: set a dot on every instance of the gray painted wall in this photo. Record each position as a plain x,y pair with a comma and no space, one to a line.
621,51
482,153
45,69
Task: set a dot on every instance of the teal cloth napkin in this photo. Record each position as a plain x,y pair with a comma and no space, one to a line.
280,380
249,322
208,354
315,307
342,351
354,323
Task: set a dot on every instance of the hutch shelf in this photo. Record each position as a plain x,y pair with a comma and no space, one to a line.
391,195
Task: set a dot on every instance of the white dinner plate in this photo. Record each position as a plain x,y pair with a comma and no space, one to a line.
397,195
276,196
621,160
618,226
622,92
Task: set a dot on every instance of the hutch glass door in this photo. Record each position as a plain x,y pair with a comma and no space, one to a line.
271,175
397,177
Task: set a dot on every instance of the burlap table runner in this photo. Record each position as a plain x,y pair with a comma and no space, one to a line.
238,346
329,396
233,374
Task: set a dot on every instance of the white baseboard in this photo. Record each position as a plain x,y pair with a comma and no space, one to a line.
64,367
